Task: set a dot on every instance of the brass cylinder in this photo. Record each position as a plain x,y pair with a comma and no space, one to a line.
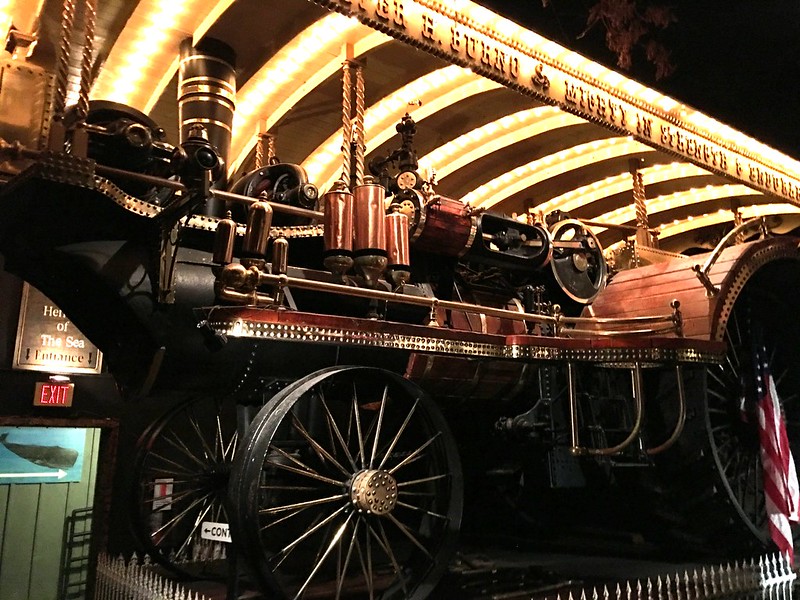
223,240
369,226
338,208
397,239
256,236
280,256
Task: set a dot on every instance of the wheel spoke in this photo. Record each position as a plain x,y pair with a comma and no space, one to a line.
422,480
178,517
406,532
181,447
309,474
381,412
399,433
318,449
332,424
343,572
414,454
181,469
366,569
383,541
334,542
303,468
284,552
199,432
358,426
305,504
422,510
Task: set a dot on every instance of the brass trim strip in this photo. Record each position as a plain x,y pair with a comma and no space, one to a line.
622,357
208,122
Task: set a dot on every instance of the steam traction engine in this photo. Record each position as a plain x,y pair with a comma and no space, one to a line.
354,364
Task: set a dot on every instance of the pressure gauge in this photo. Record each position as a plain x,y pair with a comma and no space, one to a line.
407,180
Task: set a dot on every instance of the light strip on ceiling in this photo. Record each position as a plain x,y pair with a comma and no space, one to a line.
503,132
619,184
667,202
552,165
301,65
145,56
436,91
725,216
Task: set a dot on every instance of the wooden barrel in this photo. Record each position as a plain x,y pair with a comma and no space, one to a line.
649,290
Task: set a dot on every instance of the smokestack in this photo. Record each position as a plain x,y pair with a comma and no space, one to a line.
207,95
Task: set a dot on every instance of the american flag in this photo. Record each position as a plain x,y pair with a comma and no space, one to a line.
781,490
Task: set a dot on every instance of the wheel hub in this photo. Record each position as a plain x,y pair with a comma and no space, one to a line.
374,491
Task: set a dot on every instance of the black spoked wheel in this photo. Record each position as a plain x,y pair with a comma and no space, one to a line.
181,476
348,484
707,493
732,398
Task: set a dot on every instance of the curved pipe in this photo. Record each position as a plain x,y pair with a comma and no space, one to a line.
681,417
636,376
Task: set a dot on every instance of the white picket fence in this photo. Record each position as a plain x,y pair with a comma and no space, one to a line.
121,579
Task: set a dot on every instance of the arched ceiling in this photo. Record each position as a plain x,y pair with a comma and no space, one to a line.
489,144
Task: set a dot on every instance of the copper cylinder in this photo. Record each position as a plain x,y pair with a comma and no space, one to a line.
397,239
338,207
223,240
369,226
256,236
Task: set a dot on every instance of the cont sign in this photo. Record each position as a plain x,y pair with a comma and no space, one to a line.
48,341
217,532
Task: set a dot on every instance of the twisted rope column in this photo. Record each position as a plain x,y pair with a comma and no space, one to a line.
358,127
643,237
347,121
62,72
90,18
265,150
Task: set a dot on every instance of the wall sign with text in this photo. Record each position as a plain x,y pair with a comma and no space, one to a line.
48,341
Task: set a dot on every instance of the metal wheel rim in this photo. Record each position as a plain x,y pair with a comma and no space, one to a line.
399,555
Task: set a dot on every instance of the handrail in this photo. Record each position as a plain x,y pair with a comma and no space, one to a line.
702,272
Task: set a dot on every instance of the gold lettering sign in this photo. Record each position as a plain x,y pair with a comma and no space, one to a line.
446,33
48,341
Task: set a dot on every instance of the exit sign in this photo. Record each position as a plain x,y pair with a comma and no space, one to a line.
50,393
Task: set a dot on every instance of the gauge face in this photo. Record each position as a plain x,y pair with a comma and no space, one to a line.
406,180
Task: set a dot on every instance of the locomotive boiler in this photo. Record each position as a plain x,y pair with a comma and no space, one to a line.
353,364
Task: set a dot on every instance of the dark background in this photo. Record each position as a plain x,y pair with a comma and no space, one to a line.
737,61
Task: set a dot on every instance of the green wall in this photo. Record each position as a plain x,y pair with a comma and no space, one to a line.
32,521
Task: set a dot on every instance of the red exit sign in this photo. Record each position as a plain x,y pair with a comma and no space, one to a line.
53,394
